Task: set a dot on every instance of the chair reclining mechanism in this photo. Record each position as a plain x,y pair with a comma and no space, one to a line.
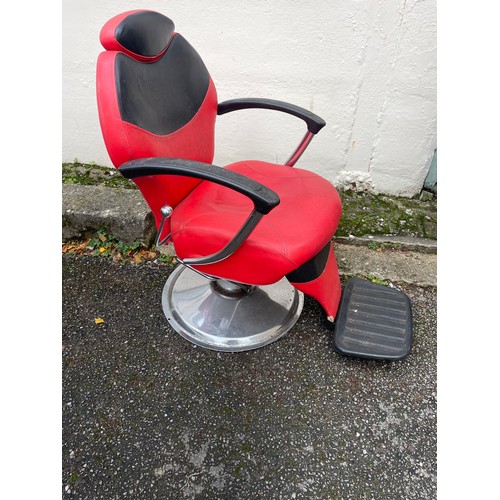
251,237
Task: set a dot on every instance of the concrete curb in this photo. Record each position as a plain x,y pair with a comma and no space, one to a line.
118,211
407,266
403,242
124,214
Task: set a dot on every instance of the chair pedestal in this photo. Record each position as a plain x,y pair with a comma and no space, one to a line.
225,316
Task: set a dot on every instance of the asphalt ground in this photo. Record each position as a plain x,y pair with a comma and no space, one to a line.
147,415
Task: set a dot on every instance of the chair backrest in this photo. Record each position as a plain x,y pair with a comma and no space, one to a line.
155,98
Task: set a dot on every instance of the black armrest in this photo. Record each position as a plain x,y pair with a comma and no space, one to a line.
264,199
314,122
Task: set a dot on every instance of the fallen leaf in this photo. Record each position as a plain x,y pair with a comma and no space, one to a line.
98,321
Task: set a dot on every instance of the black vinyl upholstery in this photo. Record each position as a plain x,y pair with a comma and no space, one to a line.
145,33
162,96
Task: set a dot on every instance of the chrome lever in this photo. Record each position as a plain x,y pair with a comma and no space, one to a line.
166,212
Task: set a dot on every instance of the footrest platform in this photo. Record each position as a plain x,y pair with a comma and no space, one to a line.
373,321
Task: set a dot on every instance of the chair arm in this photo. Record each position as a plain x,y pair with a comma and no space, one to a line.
263,198
313,121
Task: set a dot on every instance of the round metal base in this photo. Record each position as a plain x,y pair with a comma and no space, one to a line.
224,316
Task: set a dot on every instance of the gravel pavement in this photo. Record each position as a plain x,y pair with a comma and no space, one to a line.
147,415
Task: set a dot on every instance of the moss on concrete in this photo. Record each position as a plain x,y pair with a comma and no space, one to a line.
94,175
366,213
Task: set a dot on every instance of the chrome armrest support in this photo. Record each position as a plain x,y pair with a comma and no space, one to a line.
300,149
314,122
232,246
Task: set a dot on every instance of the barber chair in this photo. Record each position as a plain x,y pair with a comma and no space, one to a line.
251,237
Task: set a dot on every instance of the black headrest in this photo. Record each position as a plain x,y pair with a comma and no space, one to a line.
141,34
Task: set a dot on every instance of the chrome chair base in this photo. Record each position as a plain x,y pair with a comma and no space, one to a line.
225,316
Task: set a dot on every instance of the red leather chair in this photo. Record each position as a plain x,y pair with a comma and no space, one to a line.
252,236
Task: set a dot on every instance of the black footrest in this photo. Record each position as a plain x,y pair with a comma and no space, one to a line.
373,321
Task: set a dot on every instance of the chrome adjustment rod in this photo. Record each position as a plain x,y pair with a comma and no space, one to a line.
166,212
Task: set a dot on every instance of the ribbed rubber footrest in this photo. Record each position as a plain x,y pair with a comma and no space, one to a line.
373,321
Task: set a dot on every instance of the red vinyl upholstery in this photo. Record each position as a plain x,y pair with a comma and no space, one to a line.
296,230
156,99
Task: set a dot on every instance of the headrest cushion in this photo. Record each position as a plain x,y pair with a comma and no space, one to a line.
142,34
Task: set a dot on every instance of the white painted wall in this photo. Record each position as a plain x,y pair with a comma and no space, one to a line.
367,67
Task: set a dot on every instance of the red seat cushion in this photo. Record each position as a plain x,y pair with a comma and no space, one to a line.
291,234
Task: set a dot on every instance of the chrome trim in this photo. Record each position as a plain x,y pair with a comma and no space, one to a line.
232,246
300,149
166,212
207,276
